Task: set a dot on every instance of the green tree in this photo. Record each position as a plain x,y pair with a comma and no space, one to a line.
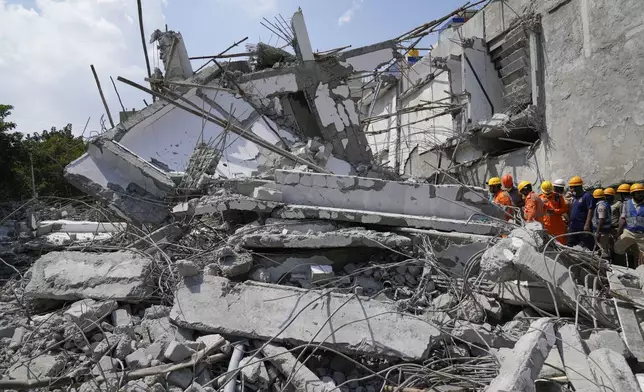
49,152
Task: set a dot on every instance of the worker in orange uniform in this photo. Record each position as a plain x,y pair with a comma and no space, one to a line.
508,185
501,197
555,207
533,209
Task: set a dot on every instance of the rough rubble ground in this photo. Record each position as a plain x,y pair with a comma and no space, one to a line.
83,343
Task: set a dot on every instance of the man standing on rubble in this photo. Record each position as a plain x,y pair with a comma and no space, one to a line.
501,197
533,209
631,225
508,186
555,207
602,223
622,195
581,215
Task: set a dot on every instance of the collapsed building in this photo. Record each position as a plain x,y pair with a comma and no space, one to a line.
314,222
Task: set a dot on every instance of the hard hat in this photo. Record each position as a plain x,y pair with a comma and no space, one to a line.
598,194
494,181
523,184
609,191
560,183
546,187
507,181
637,187
576,181
624,188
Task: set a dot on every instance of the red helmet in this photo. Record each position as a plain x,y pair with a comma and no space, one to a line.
507,181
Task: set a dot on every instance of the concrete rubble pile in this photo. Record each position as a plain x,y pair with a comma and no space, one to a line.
210,261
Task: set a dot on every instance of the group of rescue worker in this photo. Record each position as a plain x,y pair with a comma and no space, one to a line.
605,220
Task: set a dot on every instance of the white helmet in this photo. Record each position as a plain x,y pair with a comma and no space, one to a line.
559,183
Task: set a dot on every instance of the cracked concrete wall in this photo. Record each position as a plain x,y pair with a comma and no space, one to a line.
367,194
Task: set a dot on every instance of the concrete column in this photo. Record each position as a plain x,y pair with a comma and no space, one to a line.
302,36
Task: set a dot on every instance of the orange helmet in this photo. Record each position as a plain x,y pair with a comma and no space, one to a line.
624,188
507,181
575,181
609,191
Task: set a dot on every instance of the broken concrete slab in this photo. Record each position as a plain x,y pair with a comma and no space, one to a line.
260,311
528,355
343,238
70,226
611,371
121,317
496,262
627,317
178,351
555,273
77,275
373,194
607,338
267,194
87,313
301,377
525,293
233,263
481,335
575,360
43,365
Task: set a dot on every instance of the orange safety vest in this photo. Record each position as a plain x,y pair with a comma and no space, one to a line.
502,198
555,208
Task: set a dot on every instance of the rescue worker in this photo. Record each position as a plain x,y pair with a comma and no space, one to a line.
611,195
501,198
622,195
631,225
602,223
533,206
508,186
555,207
559,186
581,215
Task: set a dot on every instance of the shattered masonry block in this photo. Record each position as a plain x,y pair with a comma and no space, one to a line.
121,317
268,194
257,311
607,339
178,351
67,275
87,313
301,377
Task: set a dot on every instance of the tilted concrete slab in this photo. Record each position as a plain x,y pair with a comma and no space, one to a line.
627,317
575,359
529,355
300,376
78,275
211,204
372,194
263,311
528,293
612,372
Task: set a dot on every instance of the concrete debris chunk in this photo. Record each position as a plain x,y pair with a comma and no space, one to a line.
105,365
301,378
41,366
528,357
611,371
268,194
252,310
232,263
250,369
88,312
121,317
76,275
178,351
321,273
575,359
181,378
138,359
497,264
607,339
187,268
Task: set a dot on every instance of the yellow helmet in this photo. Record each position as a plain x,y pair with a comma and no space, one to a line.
598,194
624,188
637,187
576,181
494,181
523,184
609,191
547,187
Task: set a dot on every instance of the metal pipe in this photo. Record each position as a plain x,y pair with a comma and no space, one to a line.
145,49
100,91
221,56
251,137
238,354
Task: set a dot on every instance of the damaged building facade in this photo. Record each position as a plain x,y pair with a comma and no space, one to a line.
539,89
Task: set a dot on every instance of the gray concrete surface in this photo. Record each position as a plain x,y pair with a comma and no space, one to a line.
302,379
612,372
77,275
528,357
262,311
575,359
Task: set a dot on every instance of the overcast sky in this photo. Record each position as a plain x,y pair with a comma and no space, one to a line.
47,46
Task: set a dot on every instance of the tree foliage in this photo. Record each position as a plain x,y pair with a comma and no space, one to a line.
49,152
